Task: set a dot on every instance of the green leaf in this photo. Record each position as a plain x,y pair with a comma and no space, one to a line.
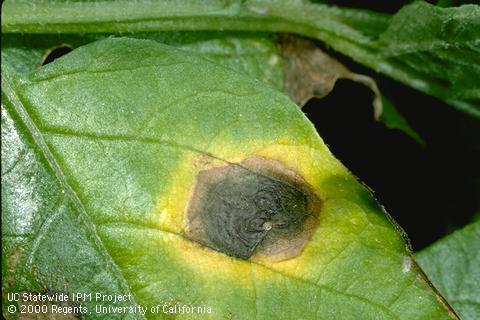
453,265
413,51
252,54
258,55
48,239
394,120
107,148
438,54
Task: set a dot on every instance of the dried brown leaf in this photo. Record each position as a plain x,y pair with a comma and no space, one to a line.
313,73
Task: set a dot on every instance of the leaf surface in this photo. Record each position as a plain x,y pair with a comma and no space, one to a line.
116,146
452,264
48,239
254,54
278,61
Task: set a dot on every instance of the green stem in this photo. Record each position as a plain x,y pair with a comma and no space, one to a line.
328,24
351,32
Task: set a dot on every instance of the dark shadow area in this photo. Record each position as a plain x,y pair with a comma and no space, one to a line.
429,190
56,53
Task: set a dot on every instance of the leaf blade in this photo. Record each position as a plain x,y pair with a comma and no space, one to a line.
118,126
452,265
46,210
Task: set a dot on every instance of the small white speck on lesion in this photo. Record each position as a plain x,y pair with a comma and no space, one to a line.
273,60
407,264
267,226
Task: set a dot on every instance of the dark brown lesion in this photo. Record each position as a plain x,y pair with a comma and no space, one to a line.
258,207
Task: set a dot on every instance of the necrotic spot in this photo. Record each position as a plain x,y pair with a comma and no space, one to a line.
238,211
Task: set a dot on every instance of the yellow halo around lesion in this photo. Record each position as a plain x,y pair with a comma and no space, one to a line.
313,164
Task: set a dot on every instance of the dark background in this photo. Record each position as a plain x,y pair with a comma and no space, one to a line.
429,190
